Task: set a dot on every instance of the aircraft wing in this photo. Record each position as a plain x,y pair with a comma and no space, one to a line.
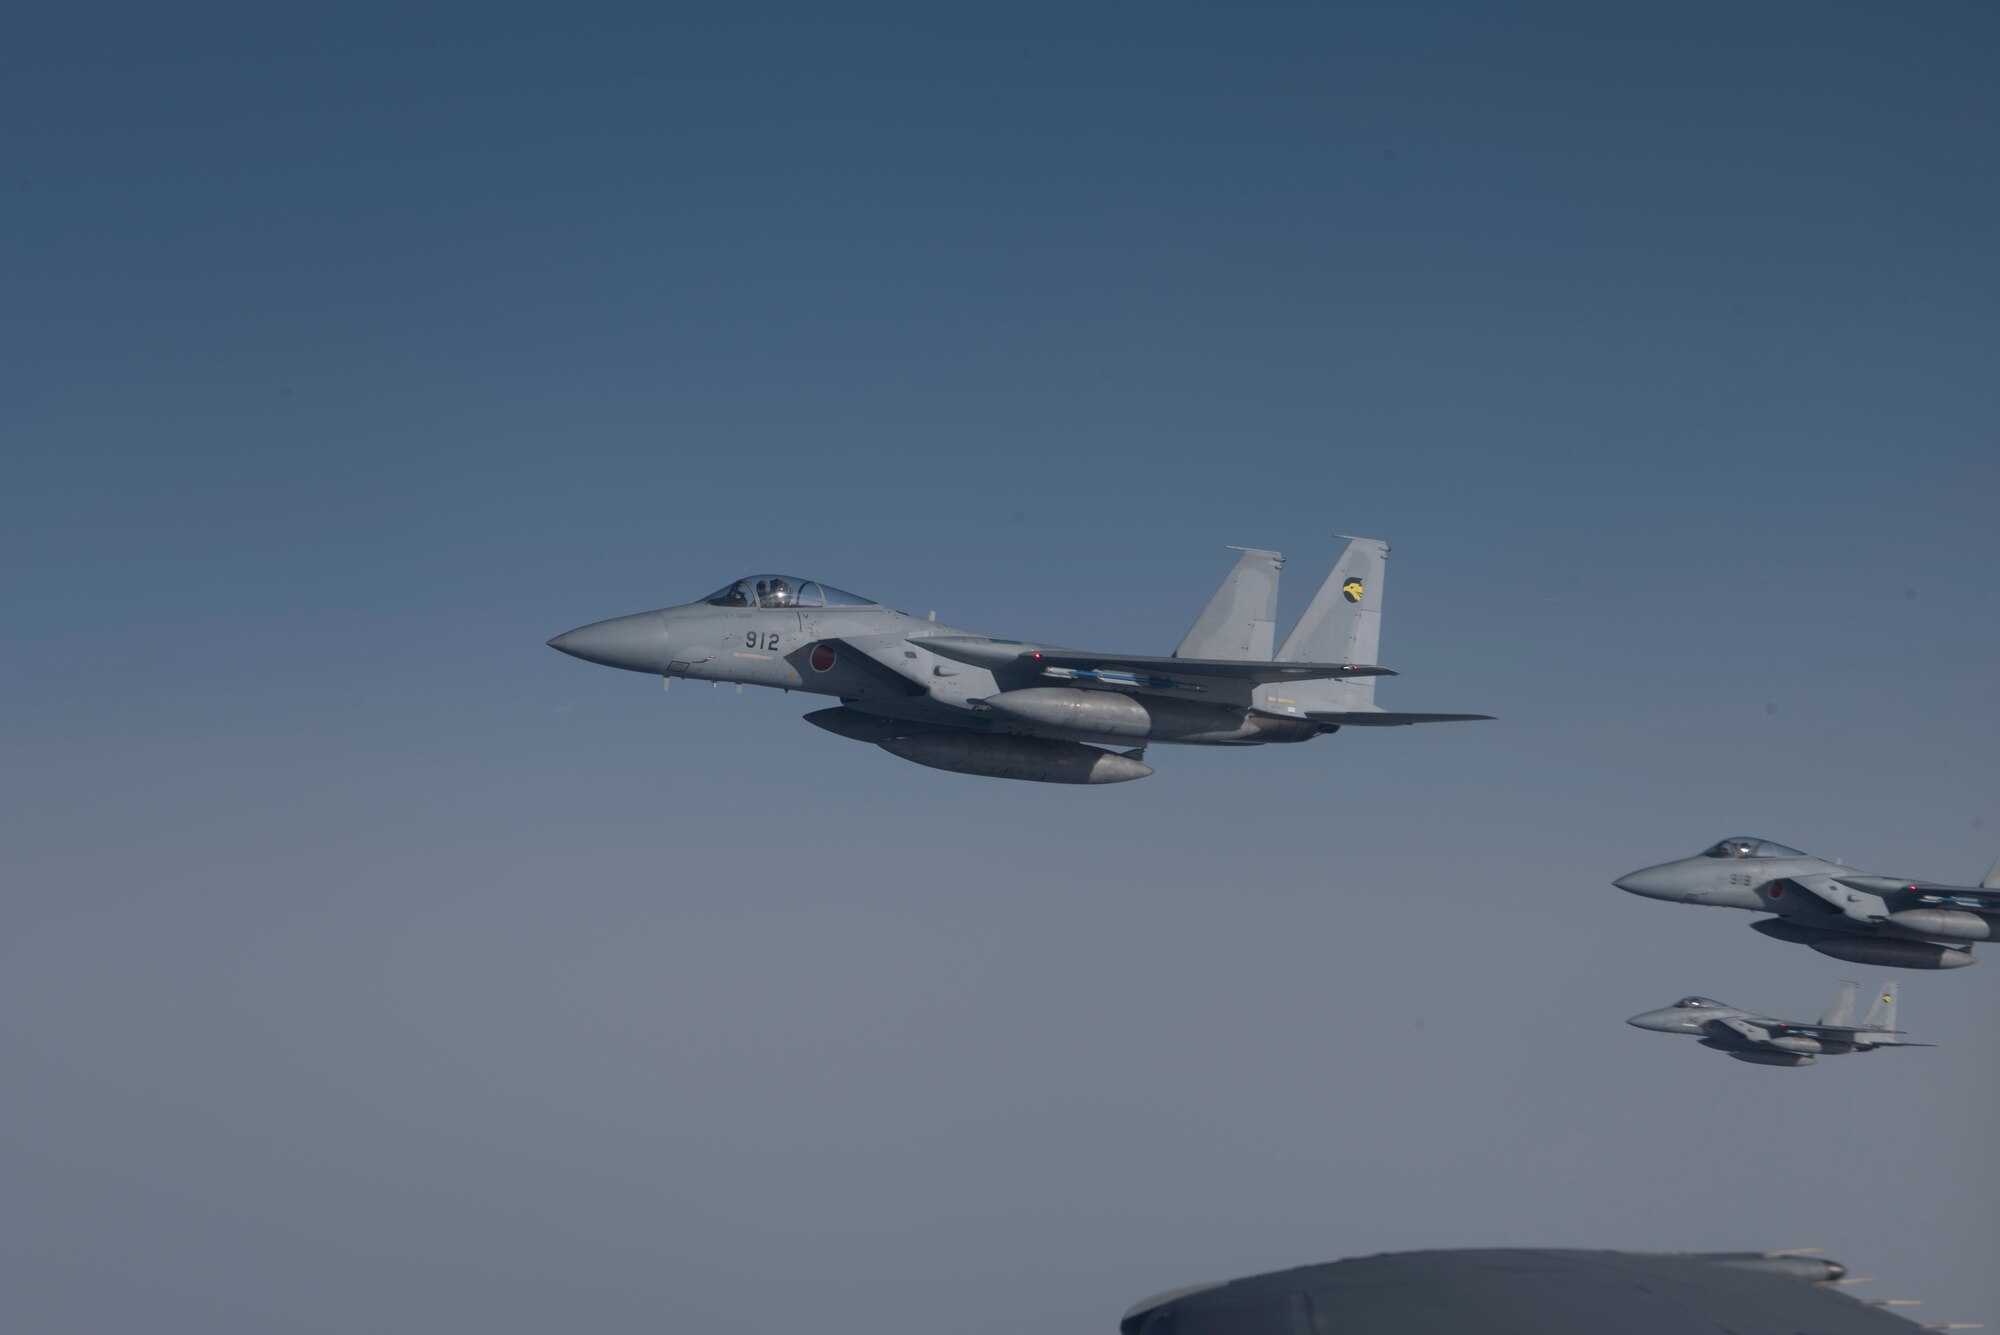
1971,896
1761,1032
1835,1031
1850,901
1731,1026
1843,1033
1373,718
1132,670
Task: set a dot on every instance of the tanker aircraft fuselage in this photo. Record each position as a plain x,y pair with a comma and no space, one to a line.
955,700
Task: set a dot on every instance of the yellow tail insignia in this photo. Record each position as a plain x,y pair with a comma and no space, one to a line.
1351,590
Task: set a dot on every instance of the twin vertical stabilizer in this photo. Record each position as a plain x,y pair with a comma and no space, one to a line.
1841,1012
1343,623
1241,620
1882,1014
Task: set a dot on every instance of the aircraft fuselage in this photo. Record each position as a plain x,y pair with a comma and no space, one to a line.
881,668
1839,911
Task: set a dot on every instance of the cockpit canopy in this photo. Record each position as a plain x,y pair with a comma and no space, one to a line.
1699,1004
1740,847
784,591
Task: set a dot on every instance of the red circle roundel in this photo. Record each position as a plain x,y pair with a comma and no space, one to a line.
822,657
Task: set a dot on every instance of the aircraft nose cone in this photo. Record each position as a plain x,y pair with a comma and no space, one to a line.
1652,882
1654,1020
635,643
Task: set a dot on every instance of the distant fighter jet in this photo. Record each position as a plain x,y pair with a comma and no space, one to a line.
1015,710
1750,1037
1851,915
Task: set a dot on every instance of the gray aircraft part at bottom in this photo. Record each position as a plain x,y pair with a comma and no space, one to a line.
1763,1041
1531,1292
1015,709
1837,910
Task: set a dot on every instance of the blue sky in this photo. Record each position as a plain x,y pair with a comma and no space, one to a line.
369,964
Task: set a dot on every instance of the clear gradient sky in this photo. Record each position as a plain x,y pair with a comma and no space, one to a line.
365,965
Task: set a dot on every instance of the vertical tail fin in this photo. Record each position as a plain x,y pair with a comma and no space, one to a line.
1882,1015
1343,624
1992,881
1841,1012
1241,620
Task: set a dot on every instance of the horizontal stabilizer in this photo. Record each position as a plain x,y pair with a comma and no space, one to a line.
1376,719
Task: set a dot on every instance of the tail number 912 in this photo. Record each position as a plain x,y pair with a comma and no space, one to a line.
761,639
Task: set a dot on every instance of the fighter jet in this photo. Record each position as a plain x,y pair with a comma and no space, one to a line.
1014,709
1851,915
1749,1037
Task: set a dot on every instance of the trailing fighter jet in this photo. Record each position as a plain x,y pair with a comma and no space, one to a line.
957,701
1750,1037
1851,915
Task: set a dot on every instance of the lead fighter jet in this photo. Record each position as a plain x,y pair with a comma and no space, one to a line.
1851,915
1013,709
1750,1037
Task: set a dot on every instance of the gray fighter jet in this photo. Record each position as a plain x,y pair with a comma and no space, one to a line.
1012,709
1759,1039
1851,915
